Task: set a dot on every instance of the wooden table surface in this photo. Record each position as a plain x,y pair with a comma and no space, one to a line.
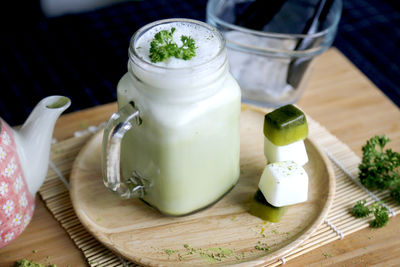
338,96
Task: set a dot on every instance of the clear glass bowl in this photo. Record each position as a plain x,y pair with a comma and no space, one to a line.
271,44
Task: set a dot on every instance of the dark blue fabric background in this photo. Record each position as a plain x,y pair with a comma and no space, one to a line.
83,56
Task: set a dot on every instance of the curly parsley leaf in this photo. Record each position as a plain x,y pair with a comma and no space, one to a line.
360,210
163,47
188,48
381,217
378,168
395,193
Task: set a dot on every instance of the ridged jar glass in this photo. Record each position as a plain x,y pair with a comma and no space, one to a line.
182,150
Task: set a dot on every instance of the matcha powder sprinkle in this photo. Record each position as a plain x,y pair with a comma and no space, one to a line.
27,263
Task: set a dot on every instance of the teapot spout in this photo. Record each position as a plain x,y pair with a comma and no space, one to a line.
34,139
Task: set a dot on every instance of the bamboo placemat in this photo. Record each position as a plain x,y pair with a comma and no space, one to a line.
337,225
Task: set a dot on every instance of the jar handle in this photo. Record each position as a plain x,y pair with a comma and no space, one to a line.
120,123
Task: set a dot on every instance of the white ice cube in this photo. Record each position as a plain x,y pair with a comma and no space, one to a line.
295,151
284,183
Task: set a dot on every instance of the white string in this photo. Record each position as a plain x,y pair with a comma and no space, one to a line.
358,183
124,262
337,231
91,129
58,172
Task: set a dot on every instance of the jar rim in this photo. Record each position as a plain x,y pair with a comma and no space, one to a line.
134,56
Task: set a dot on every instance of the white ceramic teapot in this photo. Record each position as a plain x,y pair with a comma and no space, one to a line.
24,158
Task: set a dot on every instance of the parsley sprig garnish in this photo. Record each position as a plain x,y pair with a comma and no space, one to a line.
381,217
380,213
379,169
163,47
360,210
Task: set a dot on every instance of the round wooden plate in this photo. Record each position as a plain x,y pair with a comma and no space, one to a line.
224,234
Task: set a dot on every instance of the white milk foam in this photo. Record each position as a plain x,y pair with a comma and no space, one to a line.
207,44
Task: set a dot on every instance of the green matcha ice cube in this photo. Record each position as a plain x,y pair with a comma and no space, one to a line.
285,125
260,207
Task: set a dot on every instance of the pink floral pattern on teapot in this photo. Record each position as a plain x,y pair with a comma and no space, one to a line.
16,202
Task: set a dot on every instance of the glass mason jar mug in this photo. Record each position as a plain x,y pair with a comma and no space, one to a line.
174,141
